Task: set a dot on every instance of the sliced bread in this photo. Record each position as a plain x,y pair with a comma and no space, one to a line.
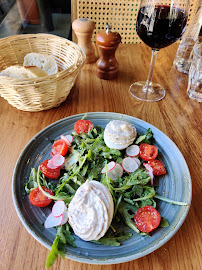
44,61
20,72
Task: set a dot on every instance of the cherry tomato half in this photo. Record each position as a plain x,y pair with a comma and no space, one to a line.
37,198
147,219
148,152
157,166
50,173
83,126
59,147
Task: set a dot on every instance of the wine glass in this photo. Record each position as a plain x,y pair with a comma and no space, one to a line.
159,24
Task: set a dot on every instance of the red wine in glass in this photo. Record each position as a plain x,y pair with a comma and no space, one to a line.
165,29
158,26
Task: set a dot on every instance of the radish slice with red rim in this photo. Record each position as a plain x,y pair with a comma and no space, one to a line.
52,221
150,172
129,164
116,172
133,150
119,169
66,140
58,208
69,138
64,217
111,165
58,160
137,160
50,164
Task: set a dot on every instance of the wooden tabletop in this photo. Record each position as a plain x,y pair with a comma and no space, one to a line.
176,115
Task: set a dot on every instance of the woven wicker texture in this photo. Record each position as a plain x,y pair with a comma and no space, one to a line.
121,14
45,92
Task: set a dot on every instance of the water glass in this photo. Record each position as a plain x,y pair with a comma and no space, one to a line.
183,57
194,89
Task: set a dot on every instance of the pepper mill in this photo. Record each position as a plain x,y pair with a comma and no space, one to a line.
107,65
83,29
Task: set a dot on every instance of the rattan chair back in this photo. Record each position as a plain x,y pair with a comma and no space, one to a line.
122,14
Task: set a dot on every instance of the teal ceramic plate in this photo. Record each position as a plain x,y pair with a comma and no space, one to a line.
176,185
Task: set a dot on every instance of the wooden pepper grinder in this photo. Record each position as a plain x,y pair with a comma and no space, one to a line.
83,29
107,65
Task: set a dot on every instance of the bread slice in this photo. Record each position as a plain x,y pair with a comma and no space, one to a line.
20,72
44,61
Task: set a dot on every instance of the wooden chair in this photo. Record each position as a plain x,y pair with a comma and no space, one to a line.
122,14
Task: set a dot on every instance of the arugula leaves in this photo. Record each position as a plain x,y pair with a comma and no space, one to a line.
164,222
32,182
147,137
63,237
113,239
57,249
127,212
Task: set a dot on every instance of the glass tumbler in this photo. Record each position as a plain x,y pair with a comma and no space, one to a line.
194,89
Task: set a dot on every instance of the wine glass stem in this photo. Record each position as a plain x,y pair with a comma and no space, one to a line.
147,87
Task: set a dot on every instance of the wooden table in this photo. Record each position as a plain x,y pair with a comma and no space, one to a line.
176,115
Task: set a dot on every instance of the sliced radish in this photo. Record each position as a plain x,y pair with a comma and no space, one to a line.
68,139
52,221
110,166
58,160
150,172
116,172
58,208
64,217
129,164
133,150
137,160
50,164
119,169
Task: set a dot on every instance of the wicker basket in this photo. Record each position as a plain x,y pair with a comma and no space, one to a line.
41,93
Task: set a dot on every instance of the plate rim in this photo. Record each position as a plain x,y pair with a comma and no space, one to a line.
111,260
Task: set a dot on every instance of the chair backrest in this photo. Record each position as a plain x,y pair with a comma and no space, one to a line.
122,14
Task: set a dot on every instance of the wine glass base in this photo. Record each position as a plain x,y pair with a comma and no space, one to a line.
153,92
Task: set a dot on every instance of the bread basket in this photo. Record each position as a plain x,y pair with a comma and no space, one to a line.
42,93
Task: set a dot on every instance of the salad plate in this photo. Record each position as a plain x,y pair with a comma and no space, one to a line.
175,185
